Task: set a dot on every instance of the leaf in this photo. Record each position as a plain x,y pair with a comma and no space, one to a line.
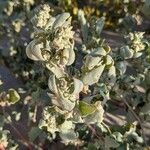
109,60
78,86
97,116
34,133
60,20
52,84
71,57
100,51
91,62
68,136
112,75
86,109
84,26
36,53
121,66
99,25
59,72
13,96
93,76
126,52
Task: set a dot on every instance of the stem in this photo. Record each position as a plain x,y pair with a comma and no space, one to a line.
107,127
22,140
138,119
26,143
94,132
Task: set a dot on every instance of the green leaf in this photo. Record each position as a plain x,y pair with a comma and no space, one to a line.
13,96
86,109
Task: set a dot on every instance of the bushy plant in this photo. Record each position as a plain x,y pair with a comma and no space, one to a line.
76,84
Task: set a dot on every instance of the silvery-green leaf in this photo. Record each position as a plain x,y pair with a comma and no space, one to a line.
69,137
66,104
100,51
59,72
65,56
60,20
67,125
91,62
55,100
93,76
71,57
137,54
78,86
36,50
29,52
112,75
121,66
33,51
50,22
67,23
118,136
109,60
126,52
84,26
86,109
100,25
52,84
48,121
62,102
136,137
